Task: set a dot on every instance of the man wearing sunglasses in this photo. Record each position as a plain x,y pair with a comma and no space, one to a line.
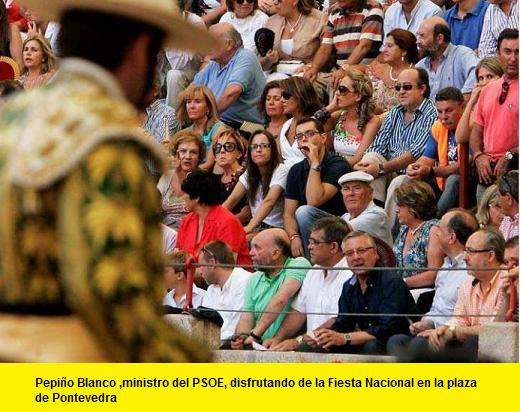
494,136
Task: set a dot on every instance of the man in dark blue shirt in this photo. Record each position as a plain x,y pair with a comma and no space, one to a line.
312,189
369,291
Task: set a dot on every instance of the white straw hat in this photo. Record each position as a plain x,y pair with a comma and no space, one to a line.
163,14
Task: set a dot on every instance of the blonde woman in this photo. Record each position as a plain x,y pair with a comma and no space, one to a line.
39,62
488,213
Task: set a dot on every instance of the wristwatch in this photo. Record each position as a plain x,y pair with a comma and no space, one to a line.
348,338
316,167
508,155
453,331
299,339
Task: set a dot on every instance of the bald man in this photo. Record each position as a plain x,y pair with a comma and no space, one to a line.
446,64
269,291
235,77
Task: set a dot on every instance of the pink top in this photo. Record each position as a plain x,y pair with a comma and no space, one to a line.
509,227
500,121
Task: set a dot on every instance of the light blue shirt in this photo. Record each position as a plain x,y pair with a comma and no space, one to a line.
447,286
456,69
244,70
395,18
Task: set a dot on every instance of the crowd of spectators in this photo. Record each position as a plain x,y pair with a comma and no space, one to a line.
330,134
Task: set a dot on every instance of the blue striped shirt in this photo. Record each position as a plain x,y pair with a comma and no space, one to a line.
495,21
396,138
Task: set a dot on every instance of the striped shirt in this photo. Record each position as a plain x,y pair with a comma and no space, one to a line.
472,300
345,29
494,22
396,137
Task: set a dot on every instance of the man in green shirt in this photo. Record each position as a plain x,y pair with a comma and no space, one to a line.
269,291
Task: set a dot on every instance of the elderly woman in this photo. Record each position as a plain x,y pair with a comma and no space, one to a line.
246,18
297,27
39,62
399,53
417,244
207,220
354,125
488,213
271,106
187,150
198,111
299,100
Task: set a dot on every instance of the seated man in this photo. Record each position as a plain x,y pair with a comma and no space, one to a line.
481,293
268,291
446,64
500,15
455,227
226,285
510,280
320,289
408,14
235,77
176,282
362,213
439,164
466,19
369,291
404,132
312,189
507,202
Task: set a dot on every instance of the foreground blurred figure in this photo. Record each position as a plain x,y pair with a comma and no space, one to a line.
80,223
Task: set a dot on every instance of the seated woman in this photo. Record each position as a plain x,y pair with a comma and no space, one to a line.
39,62
246,18
197,111
229,150
10,38
400,53
299,100
187,150
355,125
271,106
488,212
207,220
263,184
417,245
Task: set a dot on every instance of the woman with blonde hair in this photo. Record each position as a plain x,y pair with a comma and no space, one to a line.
39,62
351,116
198,112
488,213
187,149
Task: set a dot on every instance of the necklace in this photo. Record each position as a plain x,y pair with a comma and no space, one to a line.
293,26
414,231
391,72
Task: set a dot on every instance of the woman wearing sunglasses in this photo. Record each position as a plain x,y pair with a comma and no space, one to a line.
399,53
187,150
246,18
262,184
229,150
299,99
354,125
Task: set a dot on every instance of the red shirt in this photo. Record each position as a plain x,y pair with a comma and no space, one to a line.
220,224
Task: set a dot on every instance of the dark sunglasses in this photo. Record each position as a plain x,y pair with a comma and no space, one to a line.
405,87
343,90
228,147
505,90
242,1
255,146
286,95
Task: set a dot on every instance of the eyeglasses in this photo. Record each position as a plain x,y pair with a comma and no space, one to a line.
344,90
359,251
505,90
255,146
405,87
209,252
313,242
308,134
228,147
242,1
286,95
470,250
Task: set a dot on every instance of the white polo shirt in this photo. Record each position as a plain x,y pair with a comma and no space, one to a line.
230,297
321,294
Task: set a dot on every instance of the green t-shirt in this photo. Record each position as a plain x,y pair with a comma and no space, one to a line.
260,290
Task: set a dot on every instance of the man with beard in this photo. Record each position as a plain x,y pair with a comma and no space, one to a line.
270,290
446,64
80,224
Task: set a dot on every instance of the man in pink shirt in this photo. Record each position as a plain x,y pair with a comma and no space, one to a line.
494,137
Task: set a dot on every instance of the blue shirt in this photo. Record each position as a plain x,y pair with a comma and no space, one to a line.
456,69
396,138
386,292
466,31
432,152
244,70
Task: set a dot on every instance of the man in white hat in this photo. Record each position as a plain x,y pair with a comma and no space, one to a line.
362,213
80,224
